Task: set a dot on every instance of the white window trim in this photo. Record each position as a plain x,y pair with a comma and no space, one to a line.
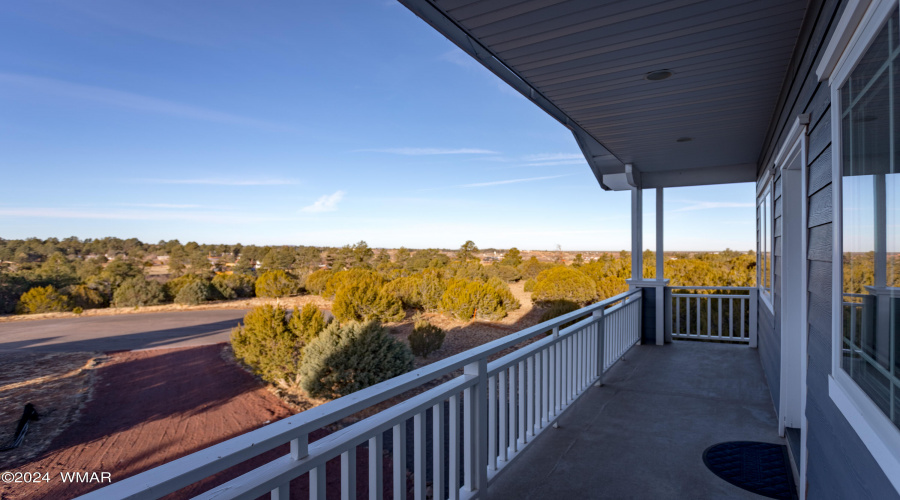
796,147
880,436
766,296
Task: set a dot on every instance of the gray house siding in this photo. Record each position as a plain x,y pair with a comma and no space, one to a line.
839,465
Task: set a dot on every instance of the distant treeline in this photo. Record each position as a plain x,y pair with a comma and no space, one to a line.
73,274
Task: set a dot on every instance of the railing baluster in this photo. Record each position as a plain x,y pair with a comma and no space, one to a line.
678,315
282,492
708,317
504,416
742,316
720,318
317,485
730,318
376,467
529,426
687,324
523,401
453,452
492,423
419,456
437,446
558,376
399,461
513,404
699,331
348,474
545,386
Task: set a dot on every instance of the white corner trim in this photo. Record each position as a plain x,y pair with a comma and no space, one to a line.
791,142
853,13
877,433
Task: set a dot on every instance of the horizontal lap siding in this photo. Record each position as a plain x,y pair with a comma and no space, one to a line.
839,465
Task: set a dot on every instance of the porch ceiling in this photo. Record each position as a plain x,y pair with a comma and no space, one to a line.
585,61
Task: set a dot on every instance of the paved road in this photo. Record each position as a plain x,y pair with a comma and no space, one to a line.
124,332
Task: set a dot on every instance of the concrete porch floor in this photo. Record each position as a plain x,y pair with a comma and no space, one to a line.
642,435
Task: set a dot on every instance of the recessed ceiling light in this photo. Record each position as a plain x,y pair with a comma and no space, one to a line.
684,139
655,76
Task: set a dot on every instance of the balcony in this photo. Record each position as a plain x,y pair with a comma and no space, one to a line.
570,406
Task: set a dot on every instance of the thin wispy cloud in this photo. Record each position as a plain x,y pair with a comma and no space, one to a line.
430,151
326,203
222,182
511,181
708,205
543,160
552,157
159,205
134,215
132,101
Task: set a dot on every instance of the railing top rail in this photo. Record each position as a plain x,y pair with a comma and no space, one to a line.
745,288
187,470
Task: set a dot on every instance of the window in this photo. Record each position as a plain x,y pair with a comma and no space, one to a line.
764,242
870,178
862,64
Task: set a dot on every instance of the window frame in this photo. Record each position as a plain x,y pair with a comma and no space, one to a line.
765,188
857,29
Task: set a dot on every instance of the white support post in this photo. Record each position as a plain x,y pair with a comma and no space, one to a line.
660,272
637,224
659,235
475,429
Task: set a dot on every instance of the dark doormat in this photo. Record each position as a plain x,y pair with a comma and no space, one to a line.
762,468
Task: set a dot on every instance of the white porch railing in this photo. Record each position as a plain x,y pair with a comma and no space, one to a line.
727,314
480,421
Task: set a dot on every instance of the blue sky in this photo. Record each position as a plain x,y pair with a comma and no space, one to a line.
318,123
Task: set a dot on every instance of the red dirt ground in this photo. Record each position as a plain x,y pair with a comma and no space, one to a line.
151,407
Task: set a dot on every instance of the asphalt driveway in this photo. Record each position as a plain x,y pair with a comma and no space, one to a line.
124,332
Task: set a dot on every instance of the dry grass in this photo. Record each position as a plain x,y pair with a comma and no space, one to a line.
57,384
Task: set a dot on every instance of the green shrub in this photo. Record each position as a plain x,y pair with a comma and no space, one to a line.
510,303
610,286
139,291
508,274
532,267
78,310
266,343
344,279
364,301
466,300
469,270
405,289
42,299
557,308
234,286
192,294
307,323
174,285
564,283
85,297
422,291
316,281
529,284
275,283
345,358
425,338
